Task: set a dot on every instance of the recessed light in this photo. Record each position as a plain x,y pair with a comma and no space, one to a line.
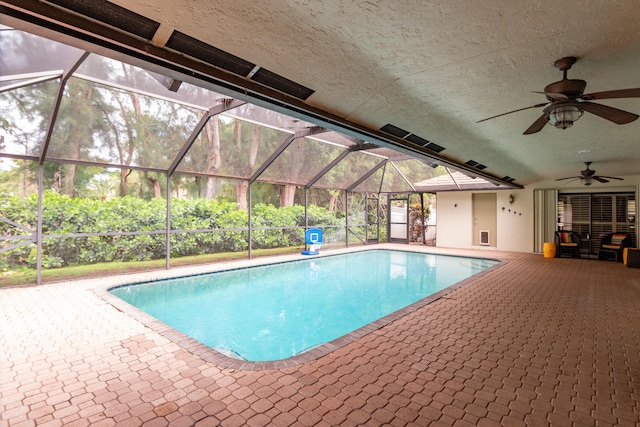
584,151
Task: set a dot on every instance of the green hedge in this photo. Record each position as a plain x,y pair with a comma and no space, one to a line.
65,215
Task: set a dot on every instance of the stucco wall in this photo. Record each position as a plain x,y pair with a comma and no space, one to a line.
514,223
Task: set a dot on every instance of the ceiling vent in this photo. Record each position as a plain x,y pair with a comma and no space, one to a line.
404,134
508,179
207,53
282,84
434,147
417,140
475,164
138,25
204,52
113,15
394,130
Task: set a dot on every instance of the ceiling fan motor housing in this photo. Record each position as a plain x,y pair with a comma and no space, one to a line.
572,88
587,175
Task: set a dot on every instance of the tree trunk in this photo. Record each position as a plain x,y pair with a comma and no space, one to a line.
57,179
157,191
69,179
210,187
139,134
242,186
124,148
255,144
123,182
77,136
287,195
332,200
296,163
212,132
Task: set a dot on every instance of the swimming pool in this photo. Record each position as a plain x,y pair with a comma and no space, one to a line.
280,310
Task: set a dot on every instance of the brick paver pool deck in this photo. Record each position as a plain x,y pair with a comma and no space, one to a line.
534,342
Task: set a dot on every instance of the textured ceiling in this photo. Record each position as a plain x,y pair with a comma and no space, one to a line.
435,68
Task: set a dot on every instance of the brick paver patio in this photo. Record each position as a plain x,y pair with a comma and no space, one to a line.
534,342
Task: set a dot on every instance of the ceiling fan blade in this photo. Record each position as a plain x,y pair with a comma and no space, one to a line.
610,94
600,179
514,111
609,177
612,114
569,177
537,125
552,95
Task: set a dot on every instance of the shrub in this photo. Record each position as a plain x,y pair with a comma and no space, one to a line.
66,215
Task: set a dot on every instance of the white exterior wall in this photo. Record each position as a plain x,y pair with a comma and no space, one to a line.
515,224
454,219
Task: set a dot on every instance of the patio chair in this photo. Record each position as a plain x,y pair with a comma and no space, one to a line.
567,242
612,246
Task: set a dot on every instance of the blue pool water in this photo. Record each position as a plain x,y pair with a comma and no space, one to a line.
277,311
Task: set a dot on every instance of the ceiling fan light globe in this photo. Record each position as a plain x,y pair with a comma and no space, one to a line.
587,181
563,116
565,124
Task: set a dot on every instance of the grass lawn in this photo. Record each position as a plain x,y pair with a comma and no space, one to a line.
28,277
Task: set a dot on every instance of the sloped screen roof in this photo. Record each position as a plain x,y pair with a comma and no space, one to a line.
114,114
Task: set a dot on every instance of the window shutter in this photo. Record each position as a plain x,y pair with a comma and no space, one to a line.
597,214
601,214
574,213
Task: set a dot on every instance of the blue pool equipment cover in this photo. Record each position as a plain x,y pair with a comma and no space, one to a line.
313,240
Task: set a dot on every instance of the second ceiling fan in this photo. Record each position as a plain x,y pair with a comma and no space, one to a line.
587,176
567,102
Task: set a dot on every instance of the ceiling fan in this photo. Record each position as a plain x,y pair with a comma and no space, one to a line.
587,176
567,102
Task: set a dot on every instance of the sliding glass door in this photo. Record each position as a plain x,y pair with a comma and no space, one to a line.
593,215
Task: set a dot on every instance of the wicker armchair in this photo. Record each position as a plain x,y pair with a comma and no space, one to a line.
567,242
612,246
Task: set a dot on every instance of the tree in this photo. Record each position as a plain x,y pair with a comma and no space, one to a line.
75,126
294,160
212,133
242,186
332,200
72,138
20,172
144,130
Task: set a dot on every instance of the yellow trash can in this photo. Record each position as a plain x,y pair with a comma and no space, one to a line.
549,250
